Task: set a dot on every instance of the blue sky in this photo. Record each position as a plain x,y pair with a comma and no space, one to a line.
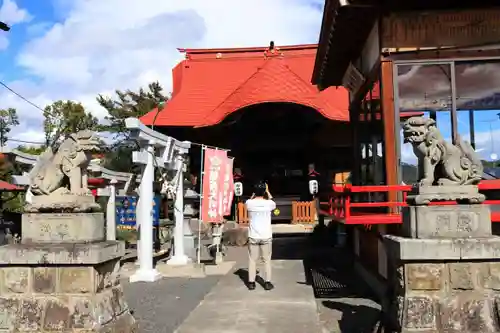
42,15
77,49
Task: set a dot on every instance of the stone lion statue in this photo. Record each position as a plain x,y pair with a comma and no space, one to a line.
59,179
441,162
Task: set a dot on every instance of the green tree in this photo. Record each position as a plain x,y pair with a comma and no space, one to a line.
10,201
33,150
130,104
8,119
63,118
119,158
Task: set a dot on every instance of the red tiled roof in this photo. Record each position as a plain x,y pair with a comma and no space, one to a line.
5,186
211,84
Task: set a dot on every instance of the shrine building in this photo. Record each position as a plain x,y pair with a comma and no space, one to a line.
260,104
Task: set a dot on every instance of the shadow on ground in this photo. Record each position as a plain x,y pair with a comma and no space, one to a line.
345,302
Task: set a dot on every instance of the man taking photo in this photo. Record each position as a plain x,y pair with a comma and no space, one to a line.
260,233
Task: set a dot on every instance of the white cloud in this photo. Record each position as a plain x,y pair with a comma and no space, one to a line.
11,14
101,46
428,87
4,41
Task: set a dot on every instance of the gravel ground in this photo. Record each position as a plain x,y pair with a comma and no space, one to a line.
162,306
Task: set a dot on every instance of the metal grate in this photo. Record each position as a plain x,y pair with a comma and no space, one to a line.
329,283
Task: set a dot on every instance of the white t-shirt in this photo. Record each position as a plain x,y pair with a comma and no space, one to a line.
259,216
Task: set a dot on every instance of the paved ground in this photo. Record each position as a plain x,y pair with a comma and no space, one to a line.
304,266
231,308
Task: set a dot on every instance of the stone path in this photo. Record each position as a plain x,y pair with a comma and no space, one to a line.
316,291
230,307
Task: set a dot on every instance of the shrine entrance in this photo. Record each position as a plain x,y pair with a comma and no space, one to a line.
278,143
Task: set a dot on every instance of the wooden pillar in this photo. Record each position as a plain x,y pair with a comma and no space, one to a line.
354,123
389,121
472,129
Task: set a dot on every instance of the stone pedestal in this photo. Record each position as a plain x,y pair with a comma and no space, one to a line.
451,221
444,275
62,287
62,227
190,240
465,194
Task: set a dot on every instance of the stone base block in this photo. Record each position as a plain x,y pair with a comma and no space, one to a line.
61,254
401,248
438,285
106,311
423,195
62,227
191,246
69,289
457,221
63,202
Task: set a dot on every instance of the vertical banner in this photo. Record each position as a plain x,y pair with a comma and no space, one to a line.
228,185
212,208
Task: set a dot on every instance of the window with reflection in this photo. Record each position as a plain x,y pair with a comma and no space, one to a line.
422,90
478,109
426,89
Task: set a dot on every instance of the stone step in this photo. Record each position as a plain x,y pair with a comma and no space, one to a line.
192,270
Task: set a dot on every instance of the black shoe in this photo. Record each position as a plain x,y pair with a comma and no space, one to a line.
268,286
251,285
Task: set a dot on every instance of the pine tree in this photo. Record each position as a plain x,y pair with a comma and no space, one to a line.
63,118
130,104
8,119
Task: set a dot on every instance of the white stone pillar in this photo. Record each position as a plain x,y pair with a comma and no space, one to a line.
146,272
179,257
111,212
138,217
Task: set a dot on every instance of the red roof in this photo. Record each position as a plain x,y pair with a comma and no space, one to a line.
5,186
210,84
97,182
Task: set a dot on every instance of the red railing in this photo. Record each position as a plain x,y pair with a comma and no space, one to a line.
343,209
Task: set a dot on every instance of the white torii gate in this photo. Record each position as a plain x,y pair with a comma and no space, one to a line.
26,159
164,152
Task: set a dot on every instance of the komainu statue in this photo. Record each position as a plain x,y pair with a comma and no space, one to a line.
446,171
58,182
441,162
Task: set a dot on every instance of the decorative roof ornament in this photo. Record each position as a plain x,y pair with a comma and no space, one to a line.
272,51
